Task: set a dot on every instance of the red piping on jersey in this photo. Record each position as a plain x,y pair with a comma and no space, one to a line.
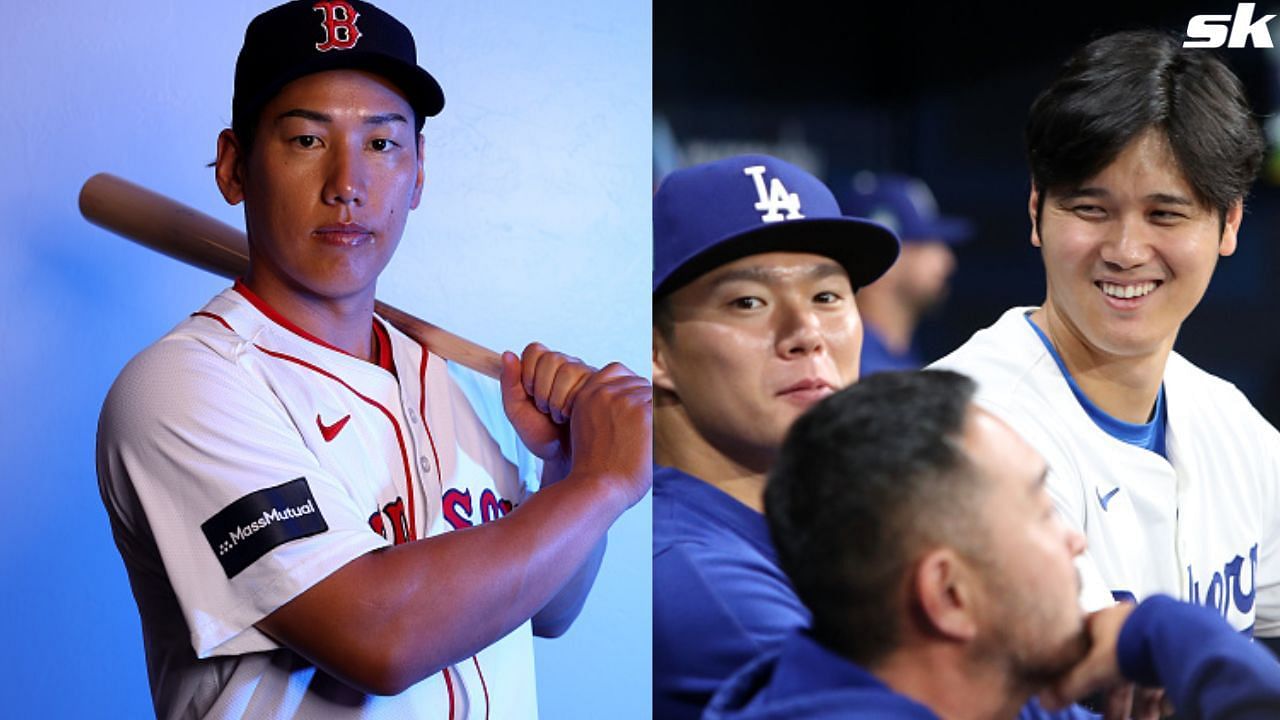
483,685
404,453
274,316
384,359
448,685
422,413
215,317
279,319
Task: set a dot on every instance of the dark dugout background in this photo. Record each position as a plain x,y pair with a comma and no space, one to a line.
941,91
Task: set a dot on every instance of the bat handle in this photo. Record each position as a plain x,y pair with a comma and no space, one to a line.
443,343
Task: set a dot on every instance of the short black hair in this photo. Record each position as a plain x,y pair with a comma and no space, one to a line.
1117,87
866,480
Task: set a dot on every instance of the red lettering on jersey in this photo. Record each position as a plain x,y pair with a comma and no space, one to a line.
460,512
491,508
393,511
457,508
400,520
339,22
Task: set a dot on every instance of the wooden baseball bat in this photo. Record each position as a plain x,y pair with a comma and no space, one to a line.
167,226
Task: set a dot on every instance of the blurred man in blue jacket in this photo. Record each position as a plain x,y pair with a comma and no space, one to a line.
917,529
893,306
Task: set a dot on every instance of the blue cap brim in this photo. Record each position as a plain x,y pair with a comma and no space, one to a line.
865,249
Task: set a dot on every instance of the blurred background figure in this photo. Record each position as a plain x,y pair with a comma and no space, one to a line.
917,283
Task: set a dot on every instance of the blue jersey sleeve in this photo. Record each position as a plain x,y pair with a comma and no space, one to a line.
1207,668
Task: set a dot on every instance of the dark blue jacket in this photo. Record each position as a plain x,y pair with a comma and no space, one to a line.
719,597
1207,669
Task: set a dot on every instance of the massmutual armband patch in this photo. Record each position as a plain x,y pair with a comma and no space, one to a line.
261,521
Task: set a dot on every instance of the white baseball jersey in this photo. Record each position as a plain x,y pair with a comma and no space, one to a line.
1202,526
242,461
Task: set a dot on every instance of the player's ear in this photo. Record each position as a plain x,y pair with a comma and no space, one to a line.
944,588
1230,228
1033,209
422,177
661,365
228,168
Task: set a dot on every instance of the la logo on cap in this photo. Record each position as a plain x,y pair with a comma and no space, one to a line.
339,23
775,198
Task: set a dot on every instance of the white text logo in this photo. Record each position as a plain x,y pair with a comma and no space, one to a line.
774,198
1210,31
268,516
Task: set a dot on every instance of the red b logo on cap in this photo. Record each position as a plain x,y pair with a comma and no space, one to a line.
340,31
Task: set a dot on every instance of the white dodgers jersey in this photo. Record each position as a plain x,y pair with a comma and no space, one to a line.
1201,526
242,461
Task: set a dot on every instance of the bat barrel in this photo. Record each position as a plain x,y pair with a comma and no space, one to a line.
164,225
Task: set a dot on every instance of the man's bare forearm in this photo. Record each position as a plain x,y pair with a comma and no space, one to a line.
444,598
554,619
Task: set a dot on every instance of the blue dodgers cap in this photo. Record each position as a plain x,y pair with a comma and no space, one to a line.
904,204
308,36
711,214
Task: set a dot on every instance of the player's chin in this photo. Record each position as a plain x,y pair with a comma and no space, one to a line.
1054,658
344,276
783,415
1071,652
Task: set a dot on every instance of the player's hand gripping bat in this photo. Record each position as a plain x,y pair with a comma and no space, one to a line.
166,225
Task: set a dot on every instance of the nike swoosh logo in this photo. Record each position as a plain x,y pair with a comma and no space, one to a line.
329,432
1105,500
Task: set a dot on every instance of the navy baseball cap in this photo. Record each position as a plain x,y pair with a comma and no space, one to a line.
711,214
310,36
904,204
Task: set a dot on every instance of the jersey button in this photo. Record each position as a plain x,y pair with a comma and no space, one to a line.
413,416
424,463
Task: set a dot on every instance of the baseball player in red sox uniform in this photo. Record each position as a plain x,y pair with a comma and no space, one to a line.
318,517
1141,155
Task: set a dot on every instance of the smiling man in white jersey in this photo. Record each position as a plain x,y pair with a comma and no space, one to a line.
1141,155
